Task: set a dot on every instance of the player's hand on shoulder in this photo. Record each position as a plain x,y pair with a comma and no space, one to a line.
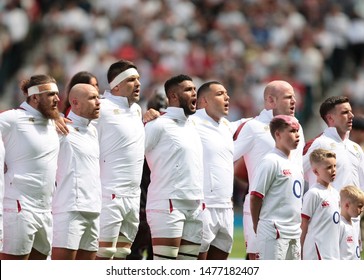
150,115
61,125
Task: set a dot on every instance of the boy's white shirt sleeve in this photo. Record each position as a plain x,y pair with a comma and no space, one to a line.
264,177
309,203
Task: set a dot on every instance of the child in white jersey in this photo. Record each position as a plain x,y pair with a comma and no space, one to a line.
352,203
320,210
276,193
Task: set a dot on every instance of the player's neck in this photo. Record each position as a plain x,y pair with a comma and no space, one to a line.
346,216
324,183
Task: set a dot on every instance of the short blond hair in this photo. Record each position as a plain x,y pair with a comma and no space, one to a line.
352,193
318,155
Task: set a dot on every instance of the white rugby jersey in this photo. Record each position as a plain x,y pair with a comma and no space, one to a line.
350,247
218,146
280,184
321,206
254,141
31,145
2,158
173,151
349,159
121,138
78,174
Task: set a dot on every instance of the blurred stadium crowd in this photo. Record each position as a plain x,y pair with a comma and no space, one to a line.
316,45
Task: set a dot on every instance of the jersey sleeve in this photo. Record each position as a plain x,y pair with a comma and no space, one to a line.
263,178
234,125
361,168
7,121
307,170
153,131
243,140
309,204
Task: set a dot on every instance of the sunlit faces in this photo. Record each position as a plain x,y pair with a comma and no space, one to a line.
341,117
93,82
129,88
287,139
89,104
217,102
285,103
354,208
187,97
325,170
48,104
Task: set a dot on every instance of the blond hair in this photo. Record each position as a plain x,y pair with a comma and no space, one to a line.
352,193
318,155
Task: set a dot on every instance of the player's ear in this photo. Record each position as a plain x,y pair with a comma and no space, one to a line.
277,134
314,170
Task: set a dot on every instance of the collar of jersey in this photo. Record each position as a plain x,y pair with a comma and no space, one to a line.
120,100
332,133
202,114
31,110
176,113
266,116
78,120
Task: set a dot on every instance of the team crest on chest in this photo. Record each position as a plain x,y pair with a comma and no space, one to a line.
356,148
286,172
325,203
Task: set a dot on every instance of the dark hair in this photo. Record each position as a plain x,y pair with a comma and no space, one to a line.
35,80
205,88
358,122
330,103
158,101
174,81
82,77
118,67
281,122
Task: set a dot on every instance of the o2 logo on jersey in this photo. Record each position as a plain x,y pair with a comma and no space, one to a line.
297,189
336,217
357,252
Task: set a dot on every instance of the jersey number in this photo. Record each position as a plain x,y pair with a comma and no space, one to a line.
297,189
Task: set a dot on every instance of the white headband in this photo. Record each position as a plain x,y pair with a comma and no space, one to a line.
38,89
122,76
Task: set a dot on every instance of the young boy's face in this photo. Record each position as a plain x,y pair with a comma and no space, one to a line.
354,208
289,138
325,171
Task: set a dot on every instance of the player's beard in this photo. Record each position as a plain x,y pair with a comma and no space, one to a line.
184,104
48,111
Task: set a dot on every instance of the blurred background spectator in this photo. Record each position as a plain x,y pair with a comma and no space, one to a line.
316,45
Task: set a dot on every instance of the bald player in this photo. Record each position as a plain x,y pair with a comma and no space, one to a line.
77,200
253,141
